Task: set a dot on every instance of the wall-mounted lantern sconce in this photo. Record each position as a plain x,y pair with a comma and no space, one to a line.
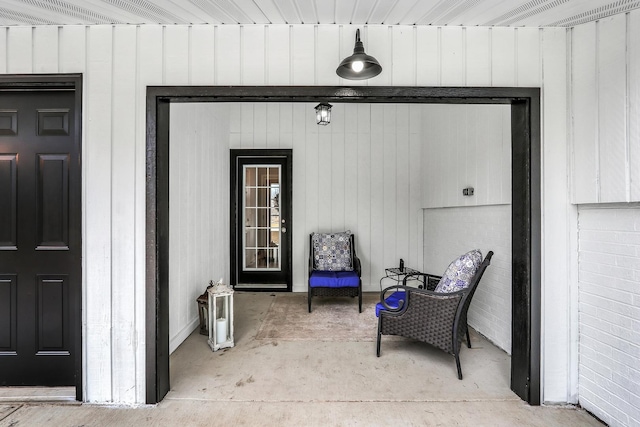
323,113
359,66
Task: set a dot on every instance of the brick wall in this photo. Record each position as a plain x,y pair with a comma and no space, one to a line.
450,232
609,313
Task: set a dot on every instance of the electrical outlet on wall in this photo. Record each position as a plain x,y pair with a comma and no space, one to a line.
467,191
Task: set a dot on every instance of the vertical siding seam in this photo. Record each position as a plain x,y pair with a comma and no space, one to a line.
541,35
570,117
345,165
189,52
33,47
111,185
136,121
572,362
627,108
464,56
597,110
266,55
490,57
541,61
315,55
410,205
241,31
59,52
414,30
290,77
215,55
85,126
340,46
6,49
391,47
370,198
439,42
516,69
503,123
164,56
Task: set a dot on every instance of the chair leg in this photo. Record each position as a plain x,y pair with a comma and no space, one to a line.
379,336
309,299
360,302
458,366
468,338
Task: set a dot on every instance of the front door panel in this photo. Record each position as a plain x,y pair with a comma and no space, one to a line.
40,241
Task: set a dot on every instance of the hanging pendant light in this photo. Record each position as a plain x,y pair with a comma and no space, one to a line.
323,113
359,66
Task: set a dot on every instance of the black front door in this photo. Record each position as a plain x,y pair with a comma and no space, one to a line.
40,238
261,218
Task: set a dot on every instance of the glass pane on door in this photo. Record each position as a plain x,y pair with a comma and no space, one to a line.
261,211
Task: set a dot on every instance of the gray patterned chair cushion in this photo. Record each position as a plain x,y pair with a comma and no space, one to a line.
460,272
332,251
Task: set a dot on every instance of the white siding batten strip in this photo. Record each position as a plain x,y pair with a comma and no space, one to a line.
597,112
627,107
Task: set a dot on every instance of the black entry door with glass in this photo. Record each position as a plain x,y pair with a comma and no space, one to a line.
261,214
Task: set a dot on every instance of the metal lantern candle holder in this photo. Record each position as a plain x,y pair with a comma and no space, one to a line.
220,316
203,310
203,313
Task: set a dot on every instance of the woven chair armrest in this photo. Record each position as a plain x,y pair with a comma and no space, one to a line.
357,266
403,305
440,295
392,287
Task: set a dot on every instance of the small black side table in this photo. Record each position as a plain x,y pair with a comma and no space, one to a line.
398,275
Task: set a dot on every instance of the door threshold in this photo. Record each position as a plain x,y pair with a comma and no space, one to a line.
254,286
22,394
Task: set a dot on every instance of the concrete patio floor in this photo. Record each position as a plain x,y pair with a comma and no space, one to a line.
309,383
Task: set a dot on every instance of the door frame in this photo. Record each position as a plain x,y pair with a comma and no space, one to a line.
526,205
16,83
234,214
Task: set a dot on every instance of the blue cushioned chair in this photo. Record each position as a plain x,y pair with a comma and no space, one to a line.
438,314
334,268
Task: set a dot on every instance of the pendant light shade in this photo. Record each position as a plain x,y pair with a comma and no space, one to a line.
359,66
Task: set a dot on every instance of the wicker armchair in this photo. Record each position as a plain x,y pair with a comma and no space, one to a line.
437,318
334,267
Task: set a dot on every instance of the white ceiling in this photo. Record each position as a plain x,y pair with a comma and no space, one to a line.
514,13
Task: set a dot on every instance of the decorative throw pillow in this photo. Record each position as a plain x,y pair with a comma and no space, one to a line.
460,272
332,251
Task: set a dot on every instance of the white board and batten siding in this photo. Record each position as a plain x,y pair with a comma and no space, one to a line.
198,210
360,173
118,62
469,146
605,110
466,146
605,149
